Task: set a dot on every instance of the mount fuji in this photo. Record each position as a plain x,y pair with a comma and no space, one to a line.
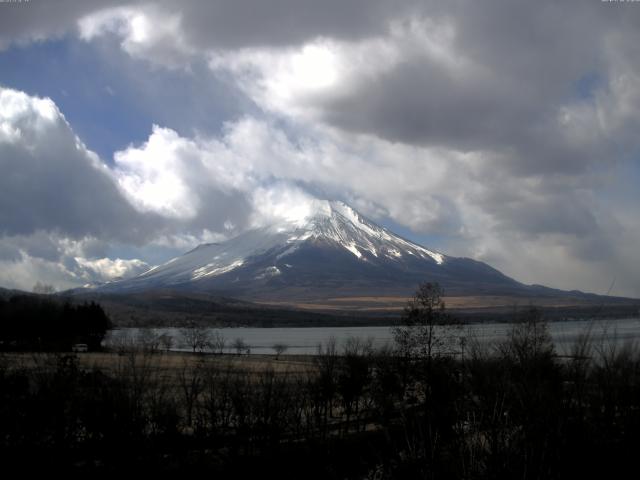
327,251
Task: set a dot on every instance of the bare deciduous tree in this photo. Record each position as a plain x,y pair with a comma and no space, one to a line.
217,342
279,348
190,380
239,345
196,337
424,315
166,341
529,338
326,362
147,339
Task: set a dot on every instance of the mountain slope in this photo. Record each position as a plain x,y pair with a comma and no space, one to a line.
331,251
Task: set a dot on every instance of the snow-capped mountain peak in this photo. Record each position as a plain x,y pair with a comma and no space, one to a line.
338,222
329,222
324,246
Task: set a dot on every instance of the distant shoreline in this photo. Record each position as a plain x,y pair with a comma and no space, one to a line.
302,319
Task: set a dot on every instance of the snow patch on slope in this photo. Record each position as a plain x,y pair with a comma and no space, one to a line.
212,270
352,248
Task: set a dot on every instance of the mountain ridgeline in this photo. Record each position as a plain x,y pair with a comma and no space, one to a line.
331,252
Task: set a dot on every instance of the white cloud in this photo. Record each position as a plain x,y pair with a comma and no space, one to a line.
173,175
24,273
282,203
60,261
147,32
23,115
106,269
152,175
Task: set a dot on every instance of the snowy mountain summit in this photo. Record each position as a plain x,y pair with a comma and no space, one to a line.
337,223
321,249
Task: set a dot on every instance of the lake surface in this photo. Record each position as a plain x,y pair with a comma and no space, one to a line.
305,341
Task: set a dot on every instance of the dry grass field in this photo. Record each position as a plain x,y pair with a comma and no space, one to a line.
397,303
164,363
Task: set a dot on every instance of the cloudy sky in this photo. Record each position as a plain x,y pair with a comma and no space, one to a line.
499,130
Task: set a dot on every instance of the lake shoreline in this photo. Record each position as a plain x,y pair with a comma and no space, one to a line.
305,340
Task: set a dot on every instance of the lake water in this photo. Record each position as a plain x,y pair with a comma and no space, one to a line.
305,341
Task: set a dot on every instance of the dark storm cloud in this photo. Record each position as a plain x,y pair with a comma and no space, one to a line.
224,24
498,84
51,182
217,23
557,214
22,22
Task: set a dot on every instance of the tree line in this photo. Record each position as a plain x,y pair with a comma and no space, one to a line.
37,323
